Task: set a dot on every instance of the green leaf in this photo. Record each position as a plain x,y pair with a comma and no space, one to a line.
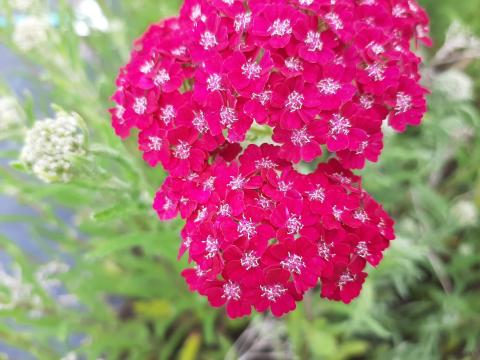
109,246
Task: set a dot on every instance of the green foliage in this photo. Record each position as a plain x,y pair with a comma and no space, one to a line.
130,300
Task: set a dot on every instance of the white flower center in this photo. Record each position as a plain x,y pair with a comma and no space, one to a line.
280,28
182,150
294,101
265,203
140,105
161,78
251,70
293,64
403,103
211,247
246,228
376,71
318,194
339,125
263,97
208,40
147,66
328,86
214,82
242,21
324,250
201,273
361,215
293,263
249,260
200,123
224,210
337,213
119,112
197,14
167,114
265,163
300,137
294,224
273,292
376,48
228,116
201,215
344,279
362,249
180,51
341,178
231,291
187,242
313,41
367,101
209,184
399,11
237,182
334,21
362,147
154,143
168,204
284,186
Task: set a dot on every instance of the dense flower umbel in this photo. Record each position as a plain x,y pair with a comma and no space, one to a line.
262,235
51,146
323,75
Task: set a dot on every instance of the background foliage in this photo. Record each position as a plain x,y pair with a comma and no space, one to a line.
114,291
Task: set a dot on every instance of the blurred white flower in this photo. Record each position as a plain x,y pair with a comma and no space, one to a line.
22,5
10,114
455,84
45,274
15,292
465,212
51,146
89,16
31,33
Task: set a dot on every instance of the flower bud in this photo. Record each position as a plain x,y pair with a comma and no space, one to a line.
51,146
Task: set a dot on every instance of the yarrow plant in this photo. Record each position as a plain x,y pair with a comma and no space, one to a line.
323,75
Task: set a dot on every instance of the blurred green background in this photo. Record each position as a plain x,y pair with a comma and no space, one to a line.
88,272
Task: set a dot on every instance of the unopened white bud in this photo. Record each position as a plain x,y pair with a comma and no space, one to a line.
52,145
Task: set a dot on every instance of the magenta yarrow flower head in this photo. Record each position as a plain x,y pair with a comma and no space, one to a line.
311,78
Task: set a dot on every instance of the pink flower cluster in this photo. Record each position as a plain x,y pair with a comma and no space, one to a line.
323,75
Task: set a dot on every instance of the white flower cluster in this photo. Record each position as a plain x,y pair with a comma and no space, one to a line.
31,33
15,292
51,146
10,114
